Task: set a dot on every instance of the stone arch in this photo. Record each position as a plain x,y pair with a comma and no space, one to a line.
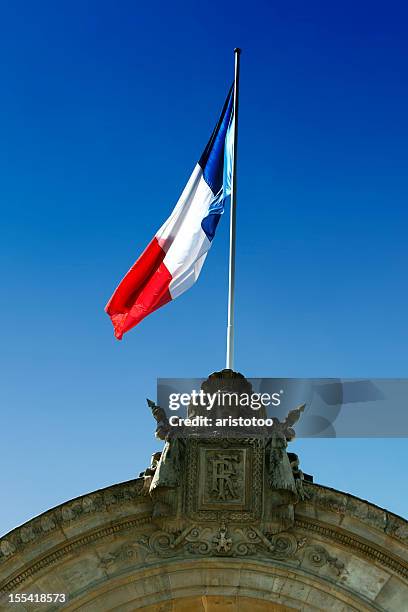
217,584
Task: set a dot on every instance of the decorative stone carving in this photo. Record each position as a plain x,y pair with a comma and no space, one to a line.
226,476
221,541
93,503
203,541
168,470
149,472
224,480
124,553
317,556
280,475
298,476
7,548
163,427
27,533
47,523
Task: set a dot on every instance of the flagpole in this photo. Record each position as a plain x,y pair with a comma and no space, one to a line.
233,214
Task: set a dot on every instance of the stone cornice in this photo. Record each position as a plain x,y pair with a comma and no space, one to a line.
356,544
97,502
348,505
58,552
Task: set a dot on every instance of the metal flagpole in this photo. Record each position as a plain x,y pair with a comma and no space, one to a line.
233,213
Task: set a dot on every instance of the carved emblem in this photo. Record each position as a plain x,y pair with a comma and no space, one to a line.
224,476
224,480
222,543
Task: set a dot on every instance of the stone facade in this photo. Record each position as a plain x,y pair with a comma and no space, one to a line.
106,551
214,524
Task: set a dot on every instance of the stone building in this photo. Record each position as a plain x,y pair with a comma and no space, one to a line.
215,524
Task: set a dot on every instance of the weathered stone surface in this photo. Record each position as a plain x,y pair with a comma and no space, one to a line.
109,552
218,537
392,596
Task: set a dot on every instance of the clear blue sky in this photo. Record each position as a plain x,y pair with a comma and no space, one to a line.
105,108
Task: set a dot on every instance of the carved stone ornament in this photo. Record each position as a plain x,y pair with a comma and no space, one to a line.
222,541
224,479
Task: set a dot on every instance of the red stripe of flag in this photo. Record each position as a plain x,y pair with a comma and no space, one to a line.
144,289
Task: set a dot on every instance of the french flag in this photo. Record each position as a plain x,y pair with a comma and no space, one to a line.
172,262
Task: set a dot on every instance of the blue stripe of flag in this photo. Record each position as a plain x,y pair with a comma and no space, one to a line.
212,159
212,162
